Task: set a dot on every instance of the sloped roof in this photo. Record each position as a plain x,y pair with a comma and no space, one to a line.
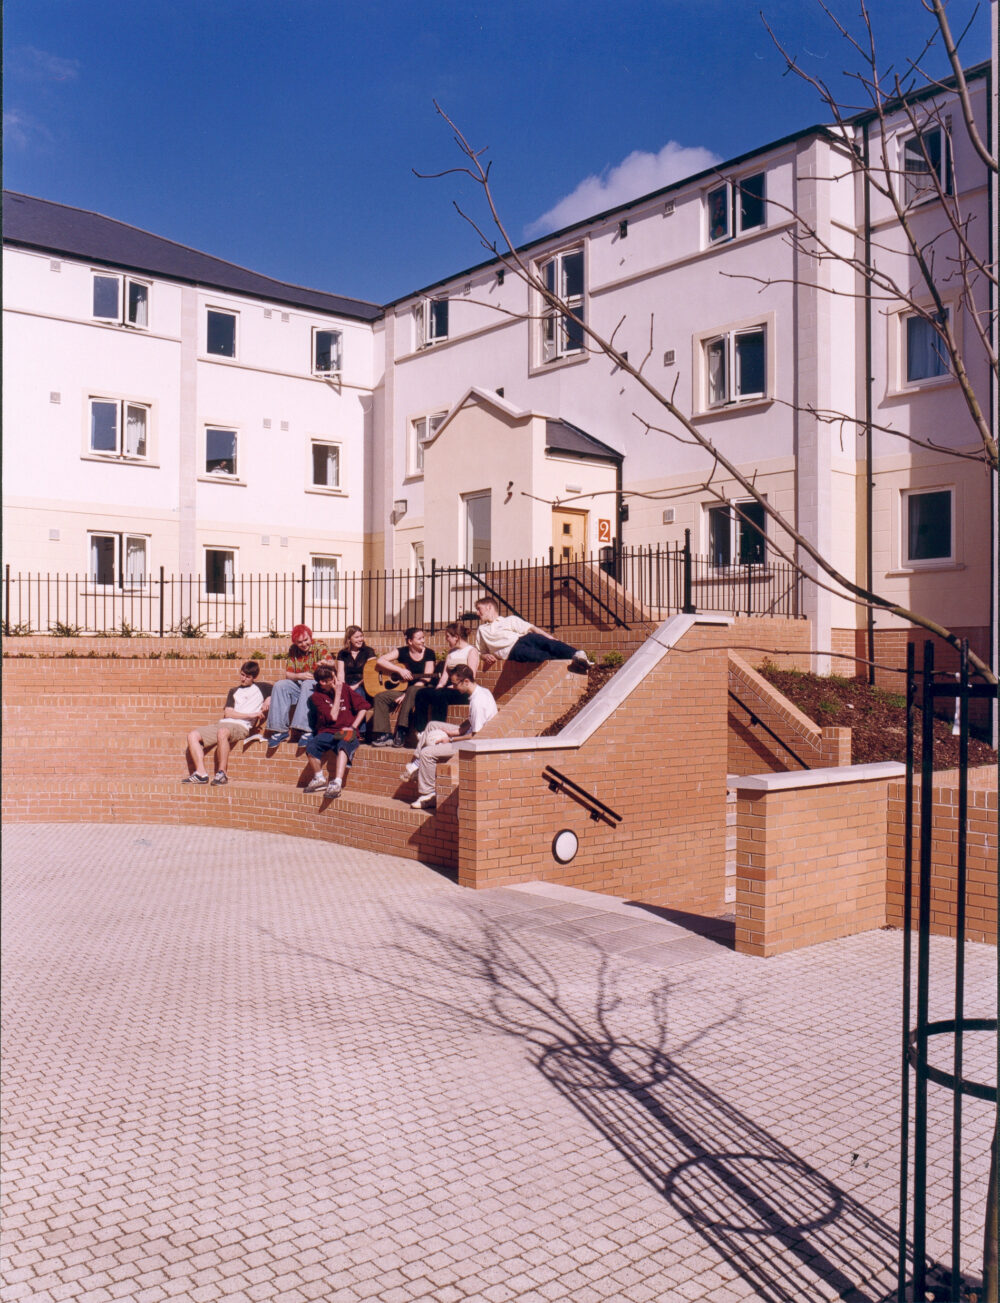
561,436
60,229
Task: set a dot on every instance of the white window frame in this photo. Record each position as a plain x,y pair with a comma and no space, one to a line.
730,188
555,330
417,560
728,338
421,430
426,323
914,192
899,350
319,442
234,552
925,563
220,477
331,598
736,528
223,312
467,547
337,361
119,579
124,283
120,452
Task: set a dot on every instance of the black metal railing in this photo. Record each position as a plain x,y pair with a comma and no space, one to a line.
615,589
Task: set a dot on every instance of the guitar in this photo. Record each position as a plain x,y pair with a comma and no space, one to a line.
375,680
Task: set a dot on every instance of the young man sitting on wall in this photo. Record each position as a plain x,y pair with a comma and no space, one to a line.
292,693
247,704
337,712
509,638
437,747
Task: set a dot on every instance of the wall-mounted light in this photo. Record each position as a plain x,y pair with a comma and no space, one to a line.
500,273
399,509
565,845
623,228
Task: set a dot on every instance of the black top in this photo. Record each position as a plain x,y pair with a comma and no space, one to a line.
418,666
354,663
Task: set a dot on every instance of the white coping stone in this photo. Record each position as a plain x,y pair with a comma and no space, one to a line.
821,777
610,697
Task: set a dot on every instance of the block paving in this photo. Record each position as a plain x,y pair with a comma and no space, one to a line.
248,1066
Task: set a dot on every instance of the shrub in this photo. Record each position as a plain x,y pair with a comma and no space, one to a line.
63,630
188,629
19,630
258,655
272,632
827,706
613,658
894,699
239,632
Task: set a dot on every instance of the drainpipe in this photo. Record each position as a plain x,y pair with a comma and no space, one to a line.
619,519
869,558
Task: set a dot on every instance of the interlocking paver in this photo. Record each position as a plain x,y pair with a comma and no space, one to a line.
243,1066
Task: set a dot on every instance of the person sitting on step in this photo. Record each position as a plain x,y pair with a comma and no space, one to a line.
438,746
412,665
433,703
338,711
290,704
246,705
509,638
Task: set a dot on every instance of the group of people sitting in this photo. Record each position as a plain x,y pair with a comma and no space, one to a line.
330,702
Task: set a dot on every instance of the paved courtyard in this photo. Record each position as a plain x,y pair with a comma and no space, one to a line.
244,1066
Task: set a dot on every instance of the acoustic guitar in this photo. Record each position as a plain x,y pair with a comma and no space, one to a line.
375,680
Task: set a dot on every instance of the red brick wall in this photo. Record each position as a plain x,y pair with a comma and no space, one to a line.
752,749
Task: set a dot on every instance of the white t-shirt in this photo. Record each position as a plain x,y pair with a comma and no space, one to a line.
460,656
482,708
247,701
499,636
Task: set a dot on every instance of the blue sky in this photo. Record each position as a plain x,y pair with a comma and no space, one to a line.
282,134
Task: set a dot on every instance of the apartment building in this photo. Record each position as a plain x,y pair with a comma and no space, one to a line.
180,411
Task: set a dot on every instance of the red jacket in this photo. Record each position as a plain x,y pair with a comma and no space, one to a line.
351,703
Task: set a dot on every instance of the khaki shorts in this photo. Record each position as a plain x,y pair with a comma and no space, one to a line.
238,729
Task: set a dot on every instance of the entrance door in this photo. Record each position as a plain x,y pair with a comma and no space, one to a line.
569,533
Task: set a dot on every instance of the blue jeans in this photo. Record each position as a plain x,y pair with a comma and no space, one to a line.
535,647
290,697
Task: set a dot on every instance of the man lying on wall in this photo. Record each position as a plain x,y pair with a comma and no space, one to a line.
509,638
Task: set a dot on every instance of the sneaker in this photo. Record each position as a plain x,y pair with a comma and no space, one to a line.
424,802
399,739
306,737
251,739
334,787
411,769
317,784
220,779
382,740
200,780
581,663
276,739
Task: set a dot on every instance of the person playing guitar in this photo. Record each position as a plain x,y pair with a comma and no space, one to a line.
396,677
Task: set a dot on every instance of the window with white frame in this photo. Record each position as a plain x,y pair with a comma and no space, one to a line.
119,428
220,333
422,429
928,526
220,571
430,319
734,207
926,164
735,366
737,534
561,335
220,452
417,558
121,299
477,530
325,465
325,579
326,352
118,560
925,353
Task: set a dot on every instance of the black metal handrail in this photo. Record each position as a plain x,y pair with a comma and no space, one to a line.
565,580
598,810
755,719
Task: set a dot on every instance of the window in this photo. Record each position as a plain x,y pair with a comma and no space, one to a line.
422,429
928,526
220,335
926,165
325,578
326,465
220,452
417,558
477,530
735,207
118,428
220,571
118,560
121,299
563,276
326,352
736,366
737,534
431,321
926,354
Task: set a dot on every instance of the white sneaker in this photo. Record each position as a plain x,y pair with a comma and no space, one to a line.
411,769
316,784
334,787
424,802
253,737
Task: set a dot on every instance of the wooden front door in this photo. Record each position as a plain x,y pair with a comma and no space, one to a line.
569,534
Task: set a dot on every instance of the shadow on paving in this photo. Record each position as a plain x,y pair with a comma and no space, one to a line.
721,930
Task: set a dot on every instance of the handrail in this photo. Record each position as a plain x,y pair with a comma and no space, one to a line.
558,782
576,579
755,719
464,570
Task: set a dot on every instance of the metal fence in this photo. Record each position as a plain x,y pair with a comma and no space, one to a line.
617,588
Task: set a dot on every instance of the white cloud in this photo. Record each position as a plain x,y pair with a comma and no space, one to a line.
20,130
638,174
40,65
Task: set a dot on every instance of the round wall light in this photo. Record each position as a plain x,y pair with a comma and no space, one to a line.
565,845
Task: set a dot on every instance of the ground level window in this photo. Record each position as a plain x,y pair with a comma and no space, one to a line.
220,571
325,578
737,534
118,560
928,525
220,452
477,530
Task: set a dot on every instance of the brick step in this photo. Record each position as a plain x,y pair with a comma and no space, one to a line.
363,819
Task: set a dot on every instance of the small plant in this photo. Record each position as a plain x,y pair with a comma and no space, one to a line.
230,656
827,706
70,656
613,658
895,699
63,630
126,630
187,628
172,656
258,655
20,630
272,632
153,656
239,632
